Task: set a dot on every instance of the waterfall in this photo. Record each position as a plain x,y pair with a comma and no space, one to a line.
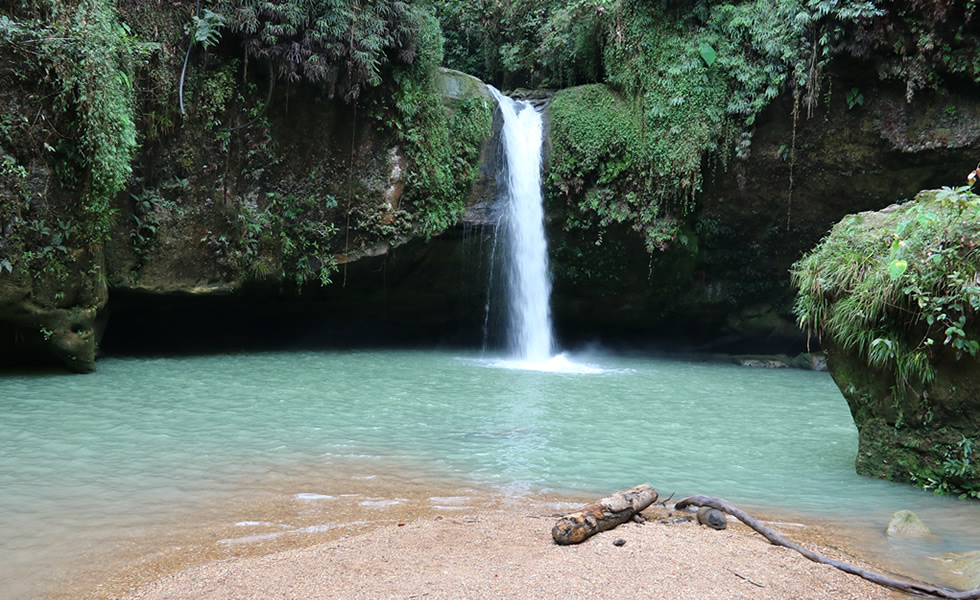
528,322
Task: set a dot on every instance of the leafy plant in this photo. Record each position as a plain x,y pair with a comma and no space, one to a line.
958,473
91,56
895,288
206,28
305,238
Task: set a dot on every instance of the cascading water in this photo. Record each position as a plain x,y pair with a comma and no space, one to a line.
529,335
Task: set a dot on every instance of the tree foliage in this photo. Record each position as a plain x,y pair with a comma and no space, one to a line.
343,44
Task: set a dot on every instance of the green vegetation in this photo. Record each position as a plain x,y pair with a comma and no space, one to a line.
760,45
895,295
290,233
343,44
107,92
680,83
635,157
896,289
686,82
90,58
444,151
382,57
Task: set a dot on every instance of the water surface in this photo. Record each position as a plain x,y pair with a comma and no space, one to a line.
88,460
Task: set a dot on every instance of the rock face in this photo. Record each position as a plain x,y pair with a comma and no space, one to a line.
722,285
925,438
339,198
52,289
225,223
210,227
223,214
43,322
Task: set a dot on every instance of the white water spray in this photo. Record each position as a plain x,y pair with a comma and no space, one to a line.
529,286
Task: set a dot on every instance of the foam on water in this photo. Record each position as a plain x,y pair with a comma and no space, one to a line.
560,363
313,496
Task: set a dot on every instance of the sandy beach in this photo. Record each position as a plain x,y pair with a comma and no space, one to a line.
500,550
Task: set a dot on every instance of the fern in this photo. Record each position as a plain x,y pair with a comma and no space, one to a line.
343,44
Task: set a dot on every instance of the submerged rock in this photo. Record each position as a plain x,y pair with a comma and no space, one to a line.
763,363
906,523
965,566
813,361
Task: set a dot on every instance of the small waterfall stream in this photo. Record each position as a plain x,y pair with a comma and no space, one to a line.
528,328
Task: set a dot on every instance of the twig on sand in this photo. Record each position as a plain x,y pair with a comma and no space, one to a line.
775,538
740,576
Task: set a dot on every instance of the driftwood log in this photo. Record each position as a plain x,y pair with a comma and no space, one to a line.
920,589
602,515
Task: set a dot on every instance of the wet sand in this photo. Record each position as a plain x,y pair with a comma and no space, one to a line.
404,538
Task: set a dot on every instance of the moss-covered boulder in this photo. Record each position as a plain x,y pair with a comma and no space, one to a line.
894,296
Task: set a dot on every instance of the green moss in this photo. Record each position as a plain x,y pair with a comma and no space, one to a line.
635,160
442,143
896,286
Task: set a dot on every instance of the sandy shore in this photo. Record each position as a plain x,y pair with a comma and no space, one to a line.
507,552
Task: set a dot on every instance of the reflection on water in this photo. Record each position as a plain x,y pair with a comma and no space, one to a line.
88,462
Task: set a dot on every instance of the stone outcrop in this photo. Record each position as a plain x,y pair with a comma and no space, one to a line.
52,289
723,284
893,295
254,217
925,437
49,319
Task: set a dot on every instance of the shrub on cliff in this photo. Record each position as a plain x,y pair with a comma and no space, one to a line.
898,285
349,47
88,57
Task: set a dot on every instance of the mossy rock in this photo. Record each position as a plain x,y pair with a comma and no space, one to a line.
906,523
457,86
893,295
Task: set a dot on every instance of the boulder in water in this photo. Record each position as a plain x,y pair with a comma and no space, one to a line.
906,523
763,363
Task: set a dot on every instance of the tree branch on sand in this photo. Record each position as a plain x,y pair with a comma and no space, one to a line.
895,584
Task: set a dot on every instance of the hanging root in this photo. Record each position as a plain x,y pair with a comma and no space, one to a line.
895,584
